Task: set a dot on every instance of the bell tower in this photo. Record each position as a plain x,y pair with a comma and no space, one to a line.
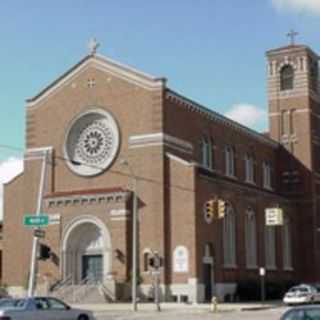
293,95
294,121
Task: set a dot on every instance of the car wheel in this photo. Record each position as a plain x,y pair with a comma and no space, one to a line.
83,317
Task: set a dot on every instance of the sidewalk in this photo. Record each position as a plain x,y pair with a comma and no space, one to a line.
203,307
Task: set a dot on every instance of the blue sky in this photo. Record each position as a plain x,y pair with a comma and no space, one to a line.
210,50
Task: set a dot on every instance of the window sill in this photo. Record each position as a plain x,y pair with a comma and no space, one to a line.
230,266
268,188
211,169
271,268
252,267
231,176
288,269
253,183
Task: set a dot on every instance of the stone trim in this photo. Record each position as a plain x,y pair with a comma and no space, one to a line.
86,199
35,153
160,139
102,63
212,115
119,214
180,160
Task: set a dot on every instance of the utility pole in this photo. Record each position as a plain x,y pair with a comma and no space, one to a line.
156,272
134,235
33,262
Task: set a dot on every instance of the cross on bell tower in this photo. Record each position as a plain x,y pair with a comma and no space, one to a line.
292,35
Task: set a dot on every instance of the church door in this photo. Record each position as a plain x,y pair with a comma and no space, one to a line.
92,266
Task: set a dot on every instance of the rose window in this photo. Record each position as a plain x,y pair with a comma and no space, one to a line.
92,142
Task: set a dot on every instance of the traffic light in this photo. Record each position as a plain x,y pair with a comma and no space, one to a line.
221,208
210,209
44,252
155,261
152,262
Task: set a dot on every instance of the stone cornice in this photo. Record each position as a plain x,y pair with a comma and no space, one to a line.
86,197
212,115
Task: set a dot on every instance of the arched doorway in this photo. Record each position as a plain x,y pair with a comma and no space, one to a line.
86,250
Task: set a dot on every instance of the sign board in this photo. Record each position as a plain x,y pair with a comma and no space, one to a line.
274,217
207,260
41,220
262,272
54,218
180,259
39,233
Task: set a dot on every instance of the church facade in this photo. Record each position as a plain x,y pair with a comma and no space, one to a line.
108,132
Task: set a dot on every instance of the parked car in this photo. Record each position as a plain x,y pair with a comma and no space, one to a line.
300,294
43,308
302,313
9,303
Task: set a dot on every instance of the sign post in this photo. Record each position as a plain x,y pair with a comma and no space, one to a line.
262,273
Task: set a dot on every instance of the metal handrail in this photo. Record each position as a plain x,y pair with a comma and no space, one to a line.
82,287
62,284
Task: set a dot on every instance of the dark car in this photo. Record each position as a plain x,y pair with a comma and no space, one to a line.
302,313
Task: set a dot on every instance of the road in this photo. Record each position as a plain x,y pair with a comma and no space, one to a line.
269,314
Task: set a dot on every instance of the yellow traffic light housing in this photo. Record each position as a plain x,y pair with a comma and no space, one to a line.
221,208
210,210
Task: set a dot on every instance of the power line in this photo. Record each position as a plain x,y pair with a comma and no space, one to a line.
75,162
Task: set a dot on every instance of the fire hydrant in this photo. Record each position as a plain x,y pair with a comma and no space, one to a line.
214,304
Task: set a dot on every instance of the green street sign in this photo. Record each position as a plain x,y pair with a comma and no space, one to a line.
36,221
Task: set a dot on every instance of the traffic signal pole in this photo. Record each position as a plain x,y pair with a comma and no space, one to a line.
33,262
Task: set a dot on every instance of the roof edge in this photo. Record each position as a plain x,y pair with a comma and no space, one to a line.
100,59
225,120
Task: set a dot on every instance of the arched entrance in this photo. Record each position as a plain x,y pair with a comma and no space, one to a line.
86,249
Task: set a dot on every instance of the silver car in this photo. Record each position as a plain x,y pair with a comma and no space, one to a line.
42,308
301,294
302,313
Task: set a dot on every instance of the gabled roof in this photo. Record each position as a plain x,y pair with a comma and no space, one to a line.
120,70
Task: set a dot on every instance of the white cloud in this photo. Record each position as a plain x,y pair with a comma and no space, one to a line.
311,6
247,114
9,169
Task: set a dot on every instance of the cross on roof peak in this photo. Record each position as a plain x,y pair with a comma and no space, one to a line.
93,45
292,35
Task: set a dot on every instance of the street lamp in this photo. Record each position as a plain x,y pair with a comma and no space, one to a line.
134,235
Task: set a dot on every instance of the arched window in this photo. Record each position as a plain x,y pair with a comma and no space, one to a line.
270,247
314,71
229,237
207,152
229,161
286,78
251,238
249,168
286,235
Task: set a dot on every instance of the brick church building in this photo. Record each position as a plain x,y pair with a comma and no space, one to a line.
102,126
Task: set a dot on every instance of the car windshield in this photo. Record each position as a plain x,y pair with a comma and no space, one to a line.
299,289
303,314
